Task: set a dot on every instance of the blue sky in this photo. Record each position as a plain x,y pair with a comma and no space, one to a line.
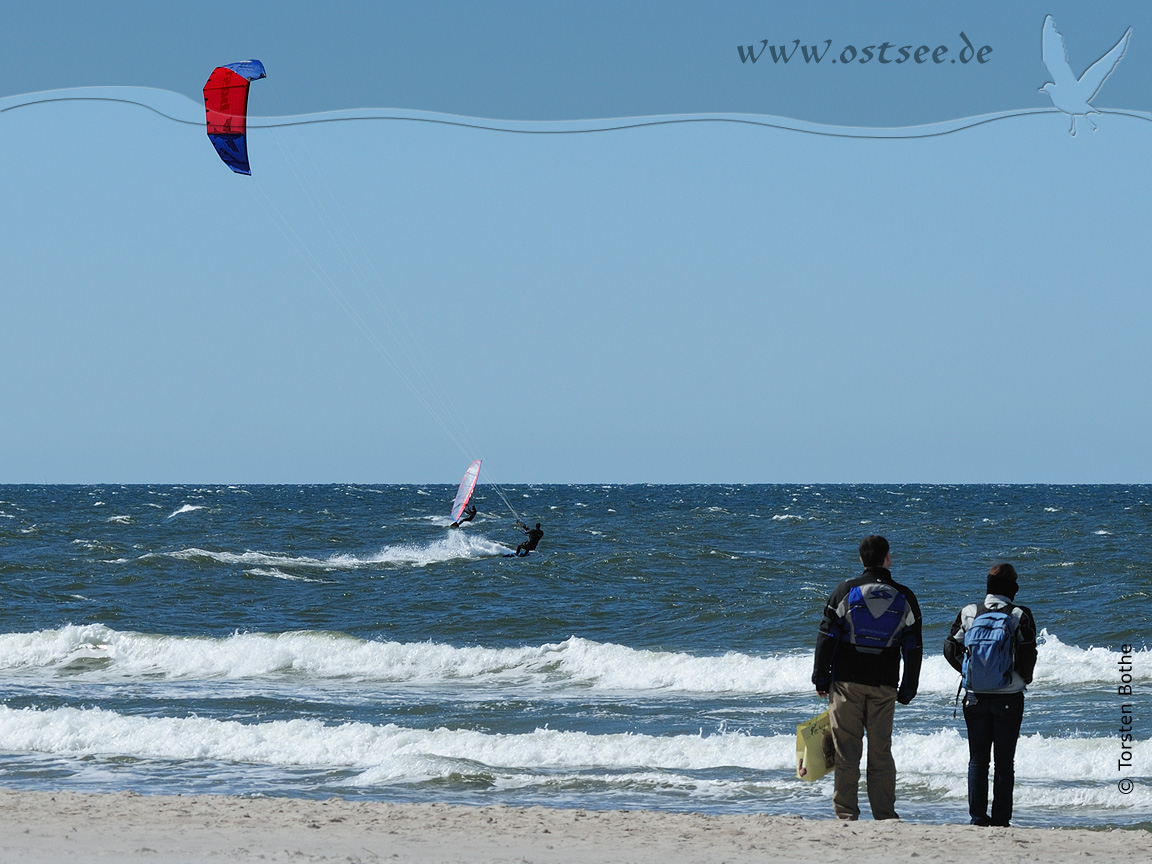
384,300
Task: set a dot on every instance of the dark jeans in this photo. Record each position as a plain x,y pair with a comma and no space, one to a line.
993,726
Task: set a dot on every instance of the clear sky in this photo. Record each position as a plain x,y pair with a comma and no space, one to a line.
385,300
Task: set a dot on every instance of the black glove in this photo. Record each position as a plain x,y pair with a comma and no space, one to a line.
905,696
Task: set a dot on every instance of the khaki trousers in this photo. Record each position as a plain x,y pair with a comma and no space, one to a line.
854,710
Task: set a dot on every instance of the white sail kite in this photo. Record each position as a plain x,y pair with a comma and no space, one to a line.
464,493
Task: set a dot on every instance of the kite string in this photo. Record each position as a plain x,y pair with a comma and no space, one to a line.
410,348
290,234
507,503
431,386
405,372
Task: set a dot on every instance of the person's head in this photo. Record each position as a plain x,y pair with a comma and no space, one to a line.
874,551
537,524
1002,581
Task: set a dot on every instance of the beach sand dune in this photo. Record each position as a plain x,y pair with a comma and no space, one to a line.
42,827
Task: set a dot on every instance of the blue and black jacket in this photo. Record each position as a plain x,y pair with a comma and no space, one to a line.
870,624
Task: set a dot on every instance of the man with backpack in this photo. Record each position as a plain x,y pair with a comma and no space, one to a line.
993,646
870,624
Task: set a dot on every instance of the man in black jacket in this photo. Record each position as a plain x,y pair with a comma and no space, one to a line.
870,624
994,714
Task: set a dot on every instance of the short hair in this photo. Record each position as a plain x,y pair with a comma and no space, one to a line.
1006,571
873,550
1002,580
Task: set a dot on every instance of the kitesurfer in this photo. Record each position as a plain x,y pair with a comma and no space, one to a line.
534,536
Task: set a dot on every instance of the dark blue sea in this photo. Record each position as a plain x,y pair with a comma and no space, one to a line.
654,652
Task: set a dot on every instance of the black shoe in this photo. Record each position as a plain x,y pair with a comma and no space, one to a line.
982,821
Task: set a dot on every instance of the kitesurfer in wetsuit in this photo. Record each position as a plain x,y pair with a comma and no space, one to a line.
534,537
469,515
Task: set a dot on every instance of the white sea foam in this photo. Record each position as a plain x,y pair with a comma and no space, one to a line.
280,574
455,546
244,558
574,663
391,752
1049,770
187,508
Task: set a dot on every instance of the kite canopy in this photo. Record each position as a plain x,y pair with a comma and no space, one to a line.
226,109
464,493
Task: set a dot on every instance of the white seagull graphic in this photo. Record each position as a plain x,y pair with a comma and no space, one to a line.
1070,94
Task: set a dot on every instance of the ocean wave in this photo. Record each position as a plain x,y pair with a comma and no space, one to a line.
187,508
1049,770
574,664
458,545
273,573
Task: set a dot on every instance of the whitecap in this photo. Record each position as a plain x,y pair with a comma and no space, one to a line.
187,508
280,574
576,662
1050,770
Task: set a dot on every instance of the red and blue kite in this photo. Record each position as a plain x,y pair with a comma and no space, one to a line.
226,107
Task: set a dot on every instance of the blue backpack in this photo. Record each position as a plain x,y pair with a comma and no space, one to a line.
990,649
875,617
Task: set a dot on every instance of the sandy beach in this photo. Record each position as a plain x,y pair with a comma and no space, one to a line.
56,827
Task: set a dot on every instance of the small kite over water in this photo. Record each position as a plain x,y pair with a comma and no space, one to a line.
226,108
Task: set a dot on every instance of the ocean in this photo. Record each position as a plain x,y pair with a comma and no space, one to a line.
653,653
